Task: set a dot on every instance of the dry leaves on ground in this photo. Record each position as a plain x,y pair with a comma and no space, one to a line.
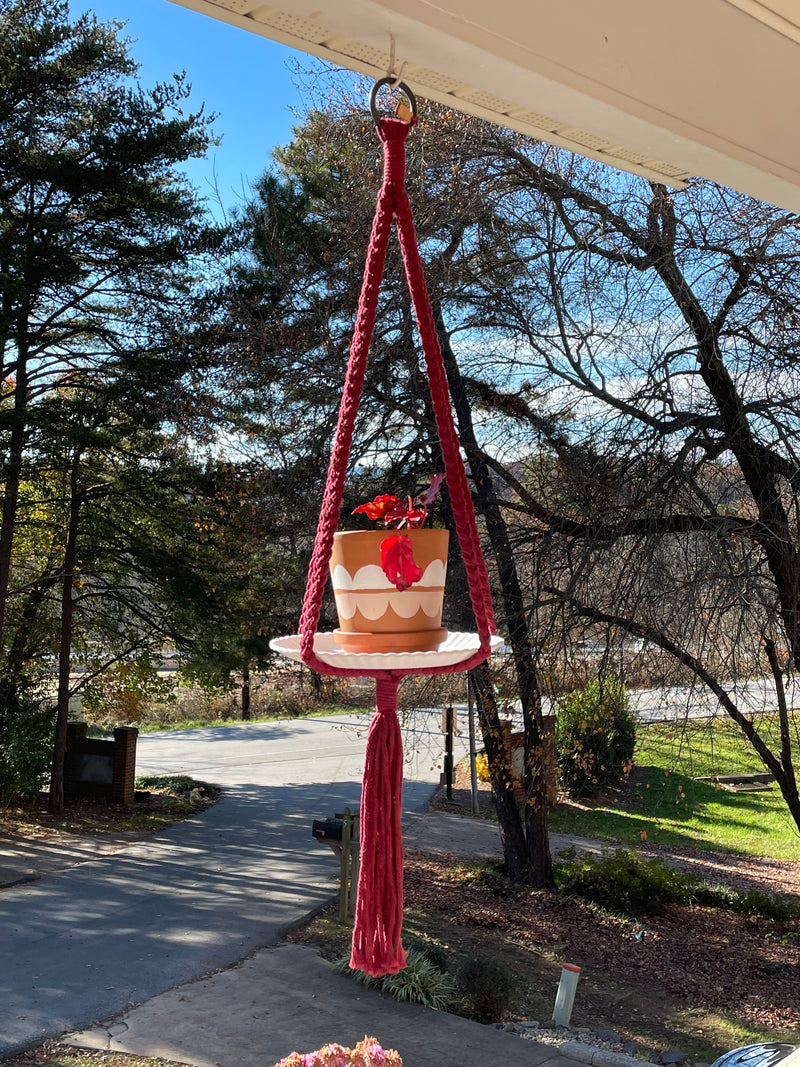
746,967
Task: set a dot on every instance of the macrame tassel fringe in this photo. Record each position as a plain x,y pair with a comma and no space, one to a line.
377,948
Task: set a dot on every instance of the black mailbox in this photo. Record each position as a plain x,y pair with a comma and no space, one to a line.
331,832
331,829
327,829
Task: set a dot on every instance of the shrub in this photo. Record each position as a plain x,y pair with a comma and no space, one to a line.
433,953
280,703
596,735
484,988
624,883
488,874
124,693
26,745
420,982
782,907
180,785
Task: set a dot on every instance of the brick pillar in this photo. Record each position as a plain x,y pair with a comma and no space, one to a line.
123,786
76,734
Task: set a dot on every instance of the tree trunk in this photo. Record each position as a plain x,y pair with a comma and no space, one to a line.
534,865
13,475
787,781
56,804
758,468
246,692
512,831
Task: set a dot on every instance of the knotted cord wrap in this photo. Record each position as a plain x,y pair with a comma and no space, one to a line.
377,947
379,910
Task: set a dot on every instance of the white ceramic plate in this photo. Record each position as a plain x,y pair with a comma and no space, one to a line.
456,648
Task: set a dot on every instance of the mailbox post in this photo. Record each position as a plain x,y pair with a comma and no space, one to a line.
341,836
448,728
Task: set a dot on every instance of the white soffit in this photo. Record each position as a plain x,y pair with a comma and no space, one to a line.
667,91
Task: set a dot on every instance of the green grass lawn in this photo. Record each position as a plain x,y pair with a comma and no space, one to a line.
699,747
669,807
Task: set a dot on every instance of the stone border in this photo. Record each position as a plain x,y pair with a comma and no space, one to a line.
597,1057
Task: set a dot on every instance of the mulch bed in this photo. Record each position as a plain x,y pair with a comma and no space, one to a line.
84,815
747,967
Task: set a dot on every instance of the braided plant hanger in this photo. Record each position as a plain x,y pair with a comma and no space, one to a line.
377,948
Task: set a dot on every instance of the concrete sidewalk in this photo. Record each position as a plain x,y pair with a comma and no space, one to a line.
288,999
175,938
249,1013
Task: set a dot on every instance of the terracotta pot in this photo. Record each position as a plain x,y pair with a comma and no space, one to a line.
374,616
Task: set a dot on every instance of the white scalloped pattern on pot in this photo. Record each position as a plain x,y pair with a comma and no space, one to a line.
372,577
375,605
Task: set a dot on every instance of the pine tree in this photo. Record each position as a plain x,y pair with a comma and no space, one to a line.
101,240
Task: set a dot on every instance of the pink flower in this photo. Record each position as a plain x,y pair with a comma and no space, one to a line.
367,1053
377,1057
334,1056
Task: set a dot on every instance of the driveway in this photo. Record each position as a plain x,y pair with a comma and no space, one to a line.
81,944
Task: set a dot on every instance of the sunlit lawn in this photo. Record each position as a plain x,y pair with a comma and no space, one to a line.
699,747
669,807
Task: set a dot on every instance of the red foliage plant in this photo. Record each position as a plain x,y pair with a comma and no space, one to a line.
397,556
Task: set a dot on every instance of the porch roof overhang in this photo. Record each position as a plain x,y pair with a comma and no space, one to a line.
668,91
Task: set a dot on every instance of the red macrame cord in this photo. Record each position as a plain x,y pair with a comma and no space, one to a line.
393,201
377,947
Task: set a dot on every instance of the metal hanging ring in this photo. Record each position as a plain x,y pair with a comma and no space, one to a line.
373,98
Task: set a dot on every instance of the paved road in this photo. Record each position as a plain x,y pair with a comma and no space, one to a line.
753,697
673,703
81,944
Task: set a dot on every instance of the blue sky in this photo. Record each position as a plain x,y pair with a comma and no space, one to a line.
248,80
